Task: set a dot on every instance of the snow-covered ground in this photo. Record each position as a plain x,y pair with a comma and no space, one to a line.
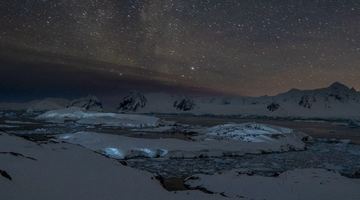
86,165
81,116
60,171
300,184
79,164
64,171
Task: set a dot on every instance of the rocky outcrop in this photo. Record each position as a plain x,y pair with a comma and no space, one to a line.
5,174
307,101
89,103
273,107
184,104
132,103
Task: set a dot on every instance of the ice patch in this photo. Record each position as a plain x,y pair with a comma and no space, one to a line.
97,118
65,137
114,153
247,132
148,153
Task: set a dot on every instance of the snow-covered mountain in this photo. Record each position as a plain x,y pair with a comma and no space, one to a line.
41,105
335,101
46,104
90,103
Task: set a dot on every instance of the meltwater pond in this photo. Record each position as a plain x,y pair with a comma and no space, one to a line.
341,157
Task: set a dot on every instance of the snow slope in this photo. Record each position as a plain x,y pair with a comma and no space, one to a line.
300,184
64,171
59,171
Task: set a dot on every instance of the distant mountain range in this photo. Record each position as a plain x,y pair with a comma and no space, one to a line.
335,101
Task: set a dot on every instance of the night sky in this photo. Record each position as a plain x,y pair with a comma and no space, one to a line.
243,47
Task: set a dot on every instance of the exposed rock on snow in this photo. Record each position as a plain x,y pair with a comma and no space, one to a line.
65,171
89,103
184,104
307,101
302,184
97,118
5,174
273,107
252,132
132,102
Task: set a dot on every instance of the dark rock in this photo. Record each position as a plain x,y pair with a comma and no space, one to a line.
132,102
5,174
273,107
185,104
307,101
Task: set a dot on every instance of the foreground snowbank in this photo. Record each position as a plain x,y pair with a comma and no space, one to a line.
122,147
98,118
248,132
301,184
64,171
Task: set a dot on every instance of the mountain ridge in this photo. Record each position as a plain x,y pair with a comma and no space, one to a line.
334,101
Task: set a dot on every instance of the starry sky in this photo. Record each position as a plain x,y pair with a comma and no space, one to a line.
240,47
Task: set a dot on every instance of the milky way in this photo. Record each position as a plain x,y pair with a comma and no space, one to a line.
242,47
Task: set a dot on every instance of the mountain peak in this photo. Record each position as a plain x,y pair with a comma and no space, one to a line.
339,86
